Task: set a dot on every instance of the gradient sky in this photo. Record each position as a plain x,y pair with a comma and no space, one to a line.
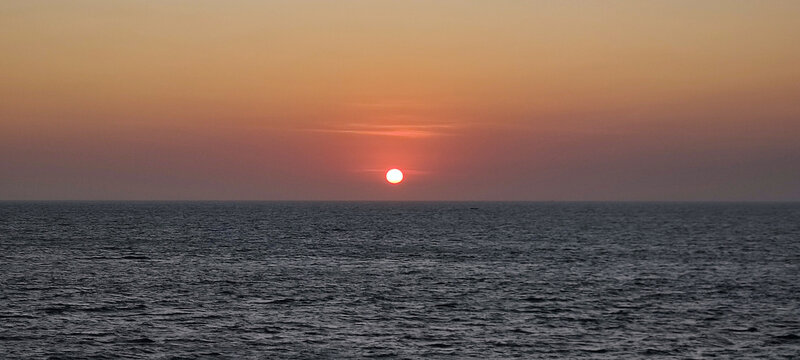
475,100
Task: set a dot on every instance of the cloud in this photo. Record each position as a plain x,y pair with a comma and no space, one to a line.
389,105
395,130
405,171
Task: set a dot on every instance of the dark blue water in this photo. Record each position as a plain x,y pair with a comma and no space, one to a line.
399,280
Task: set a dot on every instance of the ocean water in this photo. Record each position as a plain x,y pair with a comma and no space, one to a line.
238,280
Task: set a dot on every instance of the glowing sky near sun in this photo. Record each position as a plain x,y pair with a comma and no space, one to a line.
474,100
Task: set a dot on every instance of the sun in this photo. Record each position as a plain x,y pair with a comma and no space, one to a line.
394,176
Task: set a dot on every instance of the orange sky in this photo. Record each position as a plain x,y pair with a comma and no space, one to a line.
476,100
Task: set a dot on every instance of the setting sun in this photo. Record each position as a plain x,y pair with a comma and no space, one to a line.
394,176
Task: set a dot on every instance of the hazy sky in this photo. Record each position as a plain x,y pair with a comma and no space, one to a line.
474,100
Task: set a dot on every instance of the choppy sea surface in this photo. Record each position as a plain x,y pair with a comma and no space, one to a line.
242,280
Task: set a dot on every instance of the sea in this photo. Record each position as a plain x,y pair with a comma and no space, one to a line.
404,280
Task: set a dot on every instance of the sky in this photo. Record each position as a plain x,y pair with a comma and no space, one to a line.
473,100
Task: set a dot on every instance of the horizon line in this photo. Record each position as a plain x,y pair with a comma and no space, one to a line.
384,201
